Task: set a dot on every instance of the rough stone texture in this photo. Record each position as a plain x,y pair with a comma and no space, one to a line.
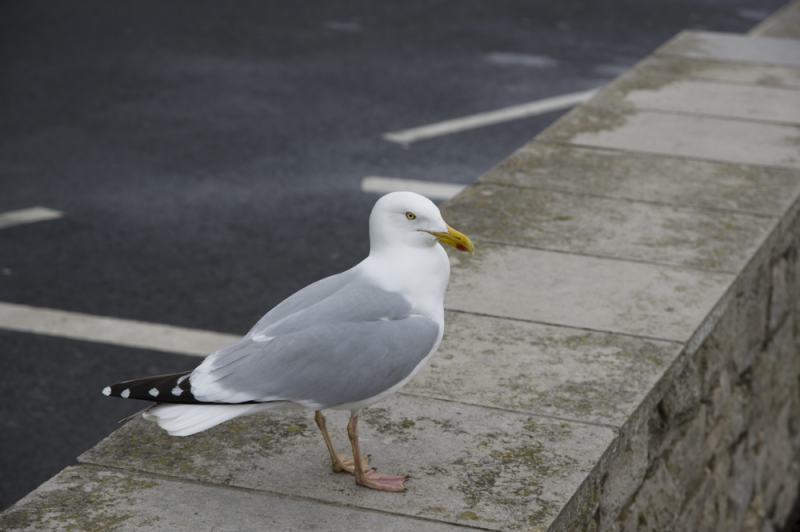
88,498
651,178
468,465
716,447
705,69
580,291
558,371
708,98
664,234
645,177
700,137
731,47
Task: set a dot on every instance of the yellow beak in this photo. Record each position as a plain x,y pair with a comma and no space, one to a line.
454,238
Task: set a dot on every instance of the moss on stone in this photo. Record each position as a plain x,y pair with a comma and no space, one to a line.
587,120
511,474
295,429
79,503
380,420
201,455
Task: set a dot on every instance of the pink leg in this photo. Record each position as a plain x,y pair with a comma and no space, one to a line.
371,478
338,464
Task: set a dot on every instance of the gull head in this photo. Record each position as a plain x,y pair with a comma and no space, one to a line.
409,219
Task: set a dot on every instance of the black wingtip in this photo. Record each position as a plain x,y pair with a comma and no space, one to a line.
172,388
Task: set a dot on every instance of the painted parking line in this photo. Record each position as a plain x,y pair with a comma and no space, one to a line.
433,190
447,127
116,331
28,216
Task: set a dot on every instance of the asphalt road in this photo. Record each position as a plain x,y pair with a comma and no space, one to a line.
208,159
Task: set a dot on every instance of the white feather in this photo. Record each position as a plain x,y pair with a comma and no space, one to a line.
185,420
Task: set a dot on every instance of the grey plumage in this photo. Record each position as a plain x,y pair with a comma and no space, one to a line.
308,295
338,341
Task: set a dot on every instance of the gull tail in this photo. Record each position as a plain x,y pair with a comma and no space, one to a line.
185,420
172,388
177,410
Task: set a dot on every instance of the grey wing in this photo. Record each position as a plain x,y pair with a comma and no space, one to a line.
304,298
322,365
354,299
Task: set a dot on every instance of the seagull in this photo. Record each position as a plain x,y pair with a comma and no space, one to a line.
342,343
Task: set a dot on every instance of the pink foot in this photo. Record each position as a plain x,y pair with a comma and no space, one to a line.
378,481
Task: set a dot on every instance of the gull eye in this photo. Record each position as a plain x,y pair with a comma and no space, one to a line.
410,215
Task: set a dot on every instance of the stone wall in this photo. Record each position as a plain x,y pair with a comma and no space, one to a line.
716,446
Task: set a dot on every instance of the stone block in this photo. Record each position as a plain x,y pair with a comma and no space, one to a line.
786,353
626,466
656,505
687,456
637,90
619,228
733,47
682,398
750,308
589,292
674,67
91,498
535,368
728,413
717,514
647,177
787,238
693,514
701,137
780,303
776,371
779,466
742,483
469,465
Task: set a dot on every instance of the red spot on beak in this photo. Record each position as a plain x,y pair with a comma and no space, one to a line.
461,247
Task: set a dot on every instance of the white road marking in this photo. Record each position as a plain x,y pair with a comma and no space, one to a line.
28,216
407,136
523,60
433,190
350,26
116,331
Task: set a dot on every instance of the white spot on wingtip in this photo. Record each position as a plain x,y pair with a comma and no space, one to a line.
125,393
176,391
153,392
107,391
